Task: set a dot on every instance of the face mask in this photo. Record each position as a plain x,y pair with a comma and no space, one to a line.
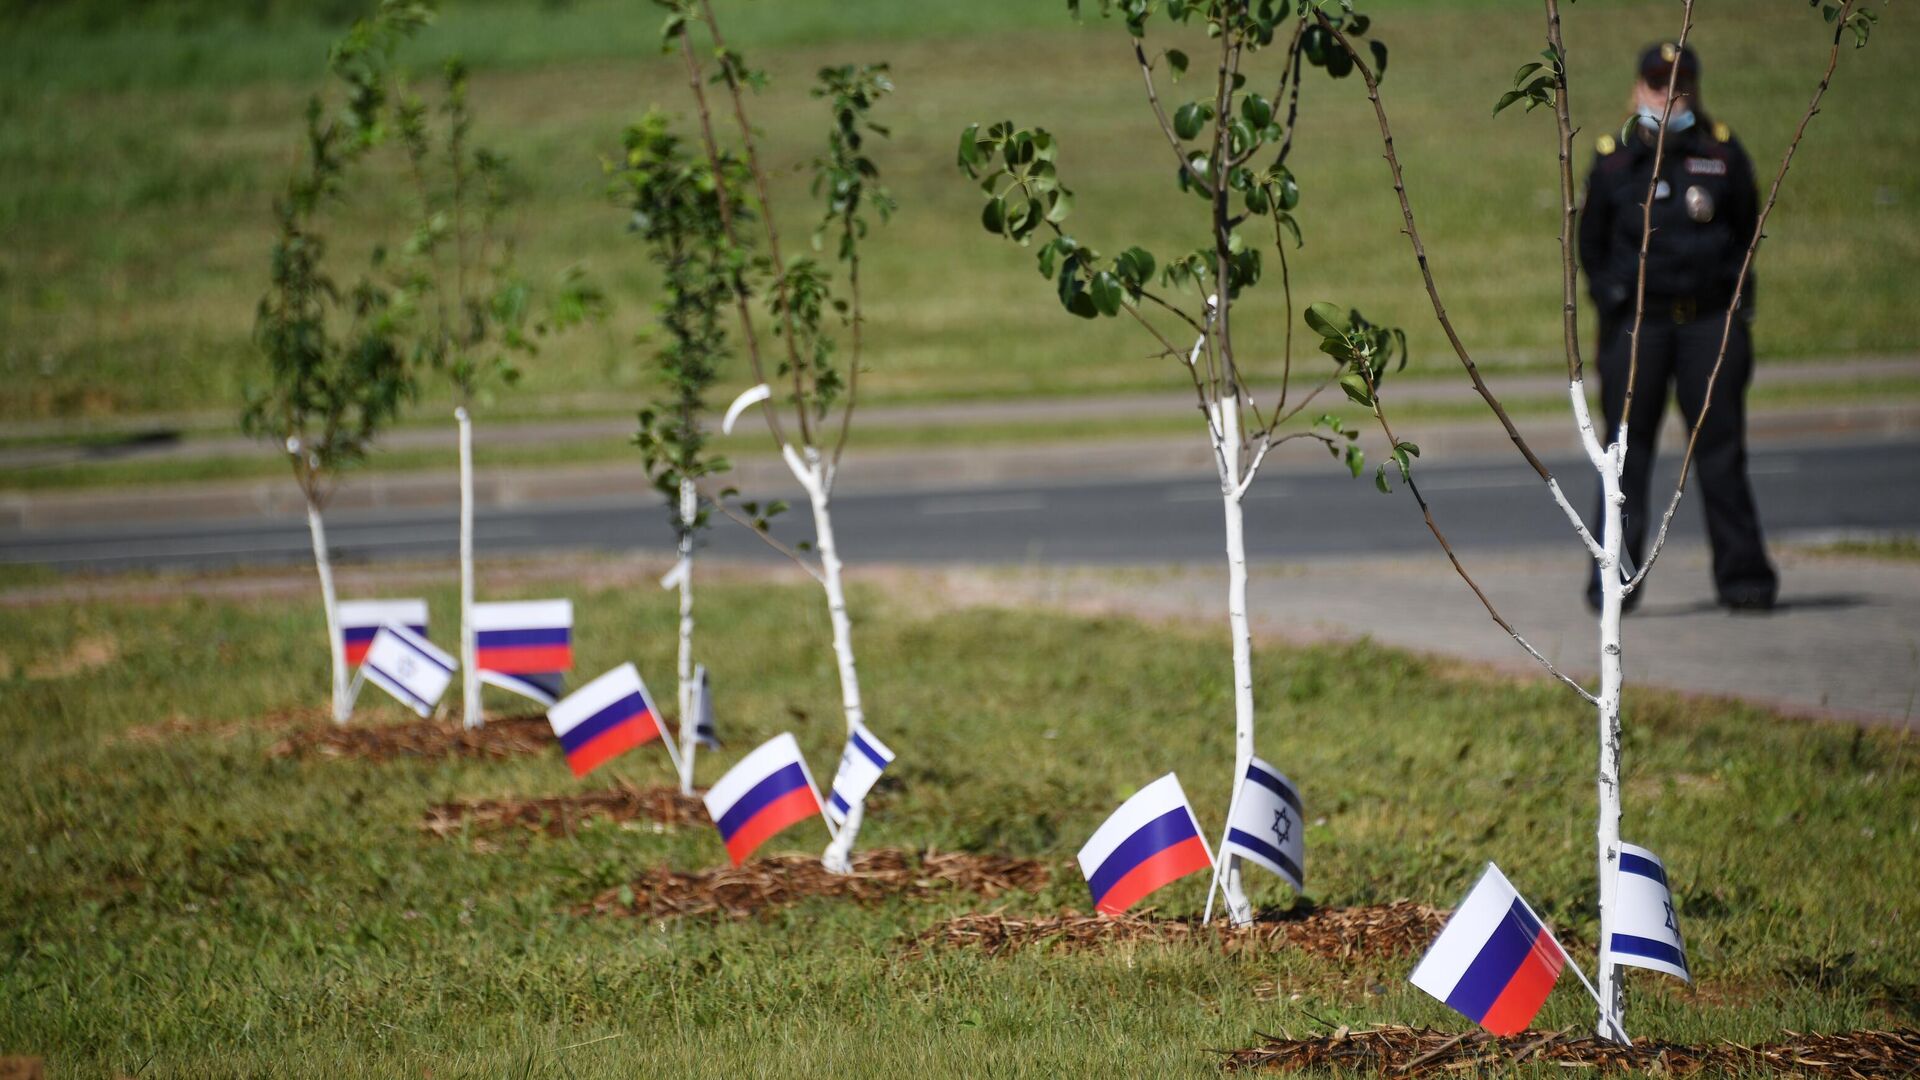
1681,120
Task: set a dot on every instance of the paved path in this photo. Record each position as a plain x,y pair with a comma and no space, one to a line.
1843,645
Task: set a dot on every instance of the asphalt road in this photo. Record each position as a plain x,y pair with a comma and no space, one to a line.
1802,490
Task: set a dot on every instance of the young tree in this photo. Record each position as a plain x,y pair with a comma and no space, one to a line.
674,202
474,312
812,310
1229,151
1545,83
336,357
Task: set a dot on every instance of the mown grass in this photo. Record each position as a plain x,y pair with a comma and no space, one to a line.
188,906
137,164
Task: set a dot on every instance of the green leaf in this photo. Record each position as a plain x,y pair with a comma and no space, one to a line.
1189,119
1327,320
1177,61
1380,479
994,215
969,148
1060,206
1107,293
1355,385
1379,50
1256,110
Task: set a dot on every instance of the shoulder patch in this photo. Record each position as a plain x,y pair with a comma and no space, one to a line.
1721,131
1606,144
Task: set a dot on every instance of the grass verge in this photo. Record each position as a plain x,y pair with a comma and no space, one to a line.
183,903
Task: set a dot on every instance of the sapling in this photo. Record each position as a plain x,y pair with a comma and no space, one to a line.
475,313
673,202
1544,83
336,358
814,308
1229,150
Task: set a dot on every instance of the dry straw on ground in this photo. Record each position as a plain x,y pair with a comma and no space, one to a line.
764,884
560,815
503,737
1335,933
1416,1052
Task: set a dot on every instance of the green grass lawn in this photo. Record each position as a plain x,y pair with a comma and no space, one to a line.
188,906
138,160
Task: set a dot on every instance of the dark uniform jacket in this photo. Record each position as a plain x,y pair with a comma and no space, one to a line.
1689,260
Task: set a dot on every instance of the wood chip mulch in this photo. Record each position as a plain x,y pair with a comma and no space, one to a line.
1334,933
560,815
500,737
765,884
1415,1052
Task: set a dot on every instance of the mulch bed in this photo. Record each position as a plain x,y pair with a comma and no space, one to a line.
501,737
560,815
1334,933
765,884
1414,1052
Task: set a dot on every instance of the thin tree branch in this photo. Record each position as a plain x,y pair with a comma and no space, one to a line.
1426,512
1160,114
765,535
766,220
1420,252
1569,275
725,202
1646,219
853,365
1739,287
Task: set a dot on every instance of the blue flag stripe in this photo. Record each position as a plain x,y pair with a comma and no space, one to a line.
399,688
788,778
1272,783
1484,980
365,633
620,712
1646,868
1265,850
1634,945
428,657
1150,839
867,750
840,803
556,635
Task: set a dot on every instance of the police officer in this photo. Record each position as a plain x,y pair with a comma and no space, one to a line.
1705,206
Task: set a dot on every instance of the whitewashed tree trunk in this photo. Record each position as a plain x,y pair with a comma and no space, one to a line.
811,472
1609,463
1608,831
336,648
1226,436
689,506
471,715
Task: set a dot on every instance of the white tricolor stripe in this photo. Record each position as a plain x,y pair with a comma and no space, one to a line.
1148,803
622,682
1460,941
522,614
378,612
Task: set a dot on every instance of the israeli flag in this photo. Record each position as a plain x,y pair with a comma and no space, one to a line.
861,764
1268,827
1646,930
705,735
409,667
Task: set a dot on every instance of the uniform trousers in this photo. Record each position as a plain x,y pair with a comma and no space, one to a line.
1677,351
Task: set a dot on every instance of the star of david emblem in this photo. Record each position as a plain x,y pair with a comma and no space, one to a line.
1282,825
1671,925
405,667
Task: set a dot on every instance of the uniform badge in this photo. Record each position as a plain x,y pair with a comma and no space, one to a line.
1706,166
1699,204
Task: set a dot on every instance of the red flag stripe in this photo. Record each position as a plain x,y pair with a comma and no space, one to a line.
1168,865
796,805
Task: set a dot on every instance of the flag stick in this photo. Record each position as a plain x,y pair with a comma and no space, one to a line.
832,832
673,752
1581,975
1233,804
353,691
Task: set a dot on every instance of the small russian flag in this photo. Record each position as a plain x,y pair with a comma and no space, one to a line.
605,718
1493,963
524,637
361,619
1152,840
769,790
